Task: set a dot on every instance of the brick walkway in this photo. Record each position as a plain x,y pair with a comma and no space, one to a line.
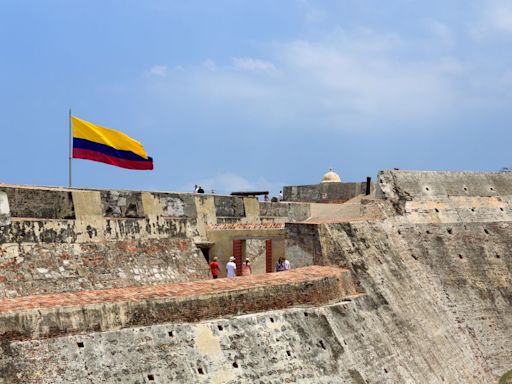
176,291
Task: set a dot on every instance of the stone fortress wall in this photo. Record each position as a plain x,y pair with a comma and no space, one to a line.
429,254
58,239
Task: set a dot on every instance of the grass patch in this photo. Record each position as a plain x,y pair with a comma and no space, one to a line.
506,378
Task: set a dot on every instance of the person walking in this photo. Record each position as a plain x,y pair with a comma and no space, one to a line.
246,268
214,268
231,267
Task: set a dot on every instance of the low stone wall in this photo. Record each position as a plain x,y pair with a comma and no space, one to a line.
86,311
325,192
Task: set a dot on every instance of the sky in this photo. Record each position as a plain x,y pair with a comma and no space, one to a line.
254,95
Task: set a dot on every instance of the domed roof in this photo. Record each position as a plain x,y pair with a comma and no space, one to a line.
331,177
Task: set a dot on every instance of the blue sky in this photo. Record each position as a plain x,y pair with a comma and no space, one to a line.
256,94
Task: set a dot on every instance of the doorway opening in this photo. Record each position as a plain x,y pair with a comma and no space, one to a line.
206,253
257,251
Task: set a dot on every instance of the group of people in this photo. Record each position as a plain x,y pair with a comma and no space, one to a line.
198,189
274,199
282,265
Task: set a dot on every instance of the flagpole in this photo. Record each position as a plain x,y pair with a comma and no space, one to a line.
70,147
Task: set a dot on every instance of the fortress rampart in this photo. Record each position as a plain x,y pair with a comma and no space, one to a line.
428,255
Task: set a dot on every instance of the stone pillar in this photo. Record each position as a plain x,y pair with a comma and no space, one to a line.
5,212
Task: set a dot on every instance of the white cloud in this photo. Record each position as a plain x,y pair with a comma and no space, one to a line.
349,80
496,19
249,64
500,15
209,64
159,70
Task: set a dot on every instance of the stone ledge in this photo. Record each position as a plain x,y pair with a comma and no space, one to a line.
53,315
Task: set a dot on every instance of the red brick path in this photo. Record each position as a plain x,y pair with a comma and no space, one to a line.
179,290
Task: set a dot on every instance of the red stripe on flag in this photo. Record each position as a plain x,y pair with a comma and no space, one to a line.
86,154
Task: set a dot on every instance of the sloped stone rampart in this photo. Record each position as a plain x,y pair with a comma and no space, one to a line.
74,312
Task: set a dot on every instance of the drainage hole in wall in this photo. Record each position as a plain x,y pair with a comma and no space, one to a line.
80,344
428,232
399,232
306,314
200,371
492,189
235,364
449,230
414,257
170,333
487,231
437,210
271,319
501,209
465,188
472,209
427,189
460,256
288,353
385,370
498,256
220,327
151,377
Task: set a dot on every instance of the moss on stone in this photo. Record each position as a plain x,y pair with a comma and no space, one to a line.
506,378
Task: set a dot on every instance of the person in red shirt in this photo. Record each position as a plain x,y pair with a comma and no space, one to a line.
214,268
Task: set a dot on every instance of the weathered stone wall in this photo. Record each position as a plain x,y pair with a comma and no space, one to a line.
437,273
40,203
284,211
325,192
57,239
294,346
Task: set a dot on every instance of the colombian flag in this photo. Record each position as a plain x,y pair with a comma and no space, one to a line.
92,142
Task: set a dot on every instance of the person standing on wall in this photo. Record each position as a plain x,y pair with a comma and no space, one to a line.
246,268
231,267
214,268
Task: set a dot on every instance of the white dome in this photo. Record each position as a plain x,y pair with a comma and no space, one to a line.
331,177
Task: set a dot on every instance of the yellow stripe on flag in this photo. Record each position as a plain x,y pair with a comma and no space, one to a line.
84,130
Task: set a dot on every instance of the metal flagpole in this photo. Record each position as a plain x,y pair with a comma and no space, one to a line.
70,147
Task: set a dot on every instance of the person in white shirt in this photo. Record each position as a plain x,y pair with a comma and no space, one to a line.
231,267
287,265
